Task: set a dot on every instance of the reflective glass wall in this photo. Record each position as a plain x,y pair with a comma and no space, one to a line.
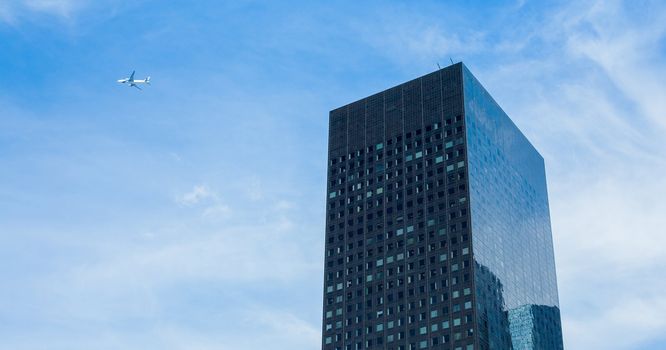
515,283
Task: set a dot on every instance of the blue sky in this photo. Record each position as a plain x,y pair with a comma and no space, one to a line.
190,215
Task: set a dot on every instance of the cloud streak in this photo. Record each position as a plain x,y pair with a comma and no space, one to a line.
625,50
12,11
198,194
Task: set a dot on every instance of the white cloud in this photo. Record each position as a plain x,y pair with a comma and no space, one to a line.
62,8
254,188
5,12
187,281
623,325
13,10
288,325
405,36
262,327
283,205
625,49
231,264
205,199
265,252
219,211
614,219
268,243
198,194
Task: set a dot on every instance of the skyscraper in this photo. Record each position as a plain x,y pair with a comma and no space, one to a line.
437,224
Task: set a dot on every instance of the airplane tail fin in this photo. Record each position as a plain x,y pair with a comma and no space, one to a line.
148,80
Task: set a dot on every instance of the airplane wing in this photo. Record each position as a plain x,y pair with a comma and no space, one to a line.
132,76
136,86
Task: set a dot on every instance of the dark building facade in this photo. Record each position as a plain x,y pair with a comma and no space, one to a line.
437,224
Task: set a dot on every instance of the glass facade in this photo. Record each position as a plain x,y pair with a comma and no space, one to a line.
402,269
510,228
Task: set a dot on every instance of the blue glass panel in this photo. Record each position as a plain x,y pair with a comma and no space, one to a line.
517,301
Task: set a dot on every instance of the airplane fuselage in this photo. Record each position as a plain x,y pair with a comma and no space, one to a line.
133,82
138,81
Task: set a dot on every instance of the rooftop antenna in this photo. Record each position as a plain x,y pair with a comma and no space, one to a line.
438,67
451,60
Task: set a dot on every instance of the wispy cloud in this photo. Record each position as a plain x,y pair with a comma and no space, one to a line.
6,12
242,275
198,194
258,327
404,36
219,211
626,50
12,10
208,201
288,325
640,320
62,8
238,254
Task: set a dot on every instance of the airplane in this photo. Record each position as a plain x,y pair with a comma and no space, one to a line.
133,82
